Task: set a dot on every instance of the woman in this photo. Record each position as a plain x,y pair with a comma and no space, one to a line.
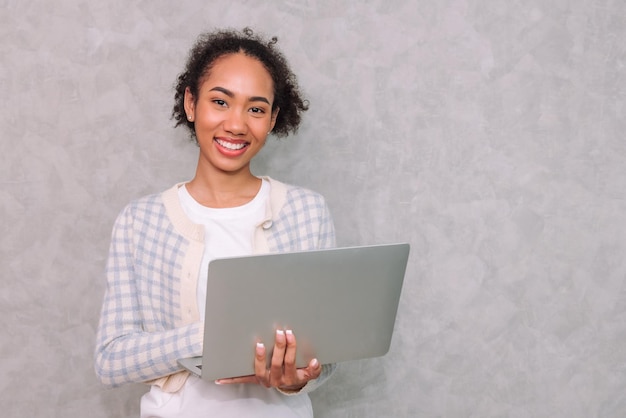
235,90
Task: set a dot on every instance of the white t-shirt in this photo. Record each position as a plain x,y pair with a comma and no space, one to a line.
228,232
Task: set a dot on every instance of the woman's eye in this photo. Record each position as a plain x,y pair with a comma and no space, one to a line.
219,102
257,110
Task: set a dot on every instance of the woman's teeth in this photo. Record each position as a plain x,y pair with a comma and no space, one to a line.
230,145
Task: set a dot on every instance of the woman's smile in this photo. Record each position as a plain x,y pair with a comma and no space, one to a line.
231,148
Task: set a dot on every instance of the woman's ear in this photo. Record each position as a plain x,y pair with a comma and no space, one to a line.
190,104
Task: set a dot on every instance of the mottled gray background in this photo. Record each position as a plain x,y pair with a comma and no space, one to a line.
489,134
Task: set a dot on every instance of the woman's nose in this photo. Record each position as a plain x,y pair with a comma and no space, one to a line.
235,122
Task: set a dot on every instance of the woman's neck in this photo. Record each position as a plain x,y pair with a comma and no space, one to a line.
224,190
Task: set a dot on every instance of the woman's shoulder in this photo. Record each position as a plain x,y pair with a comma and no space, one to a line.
145,207
293,191
147,202
304,200
303,193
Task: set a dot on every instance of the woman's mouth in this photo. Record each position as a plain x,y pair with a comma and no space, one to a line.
233,146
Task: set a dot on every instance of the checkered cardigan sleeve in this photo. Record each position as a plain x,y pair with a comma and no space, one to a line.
131,345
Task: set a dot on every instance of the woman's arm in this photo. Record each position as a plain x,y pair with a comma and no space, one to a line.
125,351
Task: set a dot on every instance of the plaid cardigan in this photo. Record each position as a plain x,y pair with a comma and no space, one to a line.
149,316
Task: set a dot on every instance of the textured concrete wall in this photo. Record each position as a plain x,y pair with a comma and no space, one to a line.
488,134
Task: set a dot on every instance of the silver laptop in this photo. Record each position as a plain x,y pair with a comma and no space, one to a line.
340,303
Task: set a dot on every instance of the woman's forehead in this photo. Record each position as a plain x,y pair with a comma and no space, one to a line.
240,74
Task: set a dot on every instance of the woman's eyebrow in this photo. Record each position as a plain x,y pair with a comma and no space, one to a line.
231,94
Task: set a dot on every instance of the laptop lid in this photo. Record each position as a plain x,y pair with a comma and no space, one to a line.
341,304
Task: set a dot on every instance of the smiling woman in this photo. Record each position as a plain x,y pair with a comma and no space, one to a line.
236,89
232,115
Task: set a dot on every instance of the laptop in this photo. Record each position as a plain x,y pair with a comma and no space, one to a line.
340,303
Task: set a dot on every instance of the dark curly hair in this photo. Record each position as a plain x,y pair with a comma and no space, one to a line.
213,45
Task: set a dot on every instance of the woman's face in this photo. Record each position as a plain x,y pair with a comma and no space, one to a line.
232,113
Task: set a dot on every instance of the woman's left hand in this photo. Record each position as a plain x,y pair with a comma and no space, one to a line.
283,373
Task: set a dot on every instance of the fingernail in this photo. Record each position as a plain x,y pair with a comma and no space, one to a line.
280,332
259,348
289,336
314,363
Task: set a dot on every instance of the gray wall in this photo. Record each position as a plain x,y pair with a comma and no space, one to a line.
488,134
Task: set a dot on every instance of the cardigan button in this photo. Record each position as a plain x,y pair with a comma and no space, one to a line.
267,224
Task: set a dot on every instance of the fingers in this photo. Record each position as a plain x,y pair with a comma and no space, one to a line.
314,369
283,371
294,378
260,369
290,354
278,357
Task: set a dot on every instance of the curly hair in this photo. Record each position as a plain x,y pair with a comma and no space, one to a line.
213,45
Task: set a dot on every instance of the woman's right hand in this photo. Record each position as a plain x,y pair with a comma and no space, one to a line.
282,372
